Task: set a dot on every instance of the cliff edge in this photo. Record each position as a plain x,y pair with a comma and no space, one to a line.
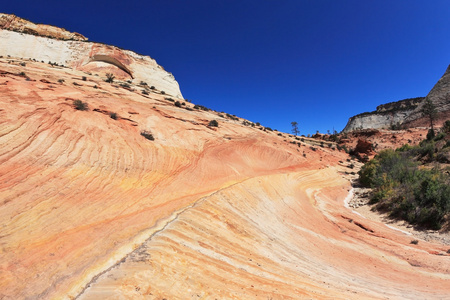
406,113
23,39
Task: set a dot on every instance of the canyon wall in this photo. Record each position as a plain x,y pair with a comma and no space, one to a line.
74,51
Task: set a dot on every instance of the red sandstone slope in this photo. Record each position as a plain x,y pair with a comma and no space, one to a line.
227,212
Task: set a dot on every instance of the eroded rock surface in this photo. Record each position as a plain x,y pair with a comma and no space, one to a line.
92,209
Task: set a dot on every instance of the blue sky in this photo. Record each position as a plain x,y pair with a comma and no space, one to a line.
317,62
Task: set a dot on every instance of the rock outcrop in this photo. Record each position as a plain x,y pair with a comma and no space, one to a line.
386,115
23,39
406,113
14,23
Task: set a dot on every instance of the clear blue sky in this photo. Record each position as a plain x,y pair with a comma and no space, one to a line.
317,62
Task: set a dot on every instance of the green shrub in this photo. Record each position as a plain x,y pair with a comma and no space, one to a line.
148,135
431,134
417,195
446,127
110,77
213,123
177,104
439,136
80,105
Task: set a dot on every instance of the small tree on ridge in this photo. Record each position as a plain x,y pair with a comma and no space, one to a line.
295,130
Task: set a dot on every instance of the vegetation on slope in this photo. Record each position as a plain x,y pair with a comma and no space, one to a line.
413,183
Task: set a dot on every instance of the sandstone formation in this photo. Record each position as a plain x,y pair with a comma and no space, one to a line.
406,113
385,116
14,23
49,44
91,209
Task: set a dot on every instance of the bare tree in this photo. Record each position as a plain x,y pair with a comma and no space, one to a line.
295,130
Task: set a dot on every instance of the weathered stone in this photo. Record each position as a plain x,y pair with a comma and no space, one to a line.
85,56
406,113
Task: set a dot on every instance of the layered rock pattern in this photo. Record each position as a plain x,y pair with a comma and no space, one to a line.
90,209
63,48
385,116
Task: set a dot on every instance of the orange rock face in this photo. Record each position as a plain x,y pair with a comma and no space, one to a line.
91,209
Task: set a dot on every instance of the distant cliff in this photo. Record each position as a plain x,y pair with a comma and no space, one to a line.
406,113
385,116
24,39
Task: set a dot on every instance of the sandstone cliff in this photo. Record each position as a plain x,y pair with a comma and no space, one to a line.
406,113
23,39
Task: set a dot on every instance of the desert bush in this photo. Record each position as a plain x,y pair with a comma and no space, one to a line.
148,135
61,80
177,104
439,136
446,127
84,78
144,92
213,123
431,134
80,105
113,115
110,77
418,195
